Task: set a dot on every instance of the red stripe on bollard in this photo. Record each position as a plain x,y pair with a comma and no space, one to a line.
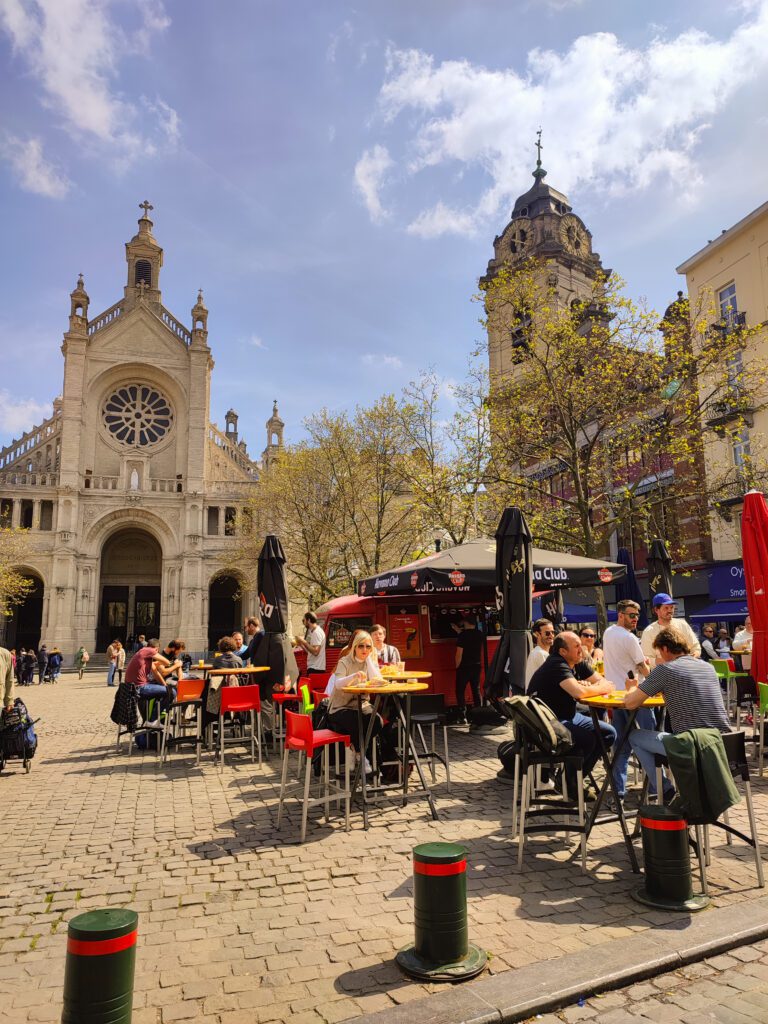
101,947
420,868
661,825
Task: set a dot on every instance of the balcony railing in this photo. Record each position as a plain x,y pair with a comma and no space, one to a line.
731,322
14,478
112,483
736,404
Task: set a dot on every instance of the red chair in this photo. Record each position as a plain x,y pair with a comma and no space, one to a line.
241,698
281,698
301,737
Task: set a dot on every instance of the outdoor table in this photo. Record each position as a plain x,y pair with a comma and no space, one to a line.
614,701
397,685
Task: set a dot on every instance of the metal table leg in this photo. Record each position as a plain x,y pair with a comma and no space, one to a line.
609,782
367,732
410,745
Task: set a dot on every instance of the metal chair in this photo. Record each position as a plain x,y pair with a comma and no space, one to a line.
759,736
428,711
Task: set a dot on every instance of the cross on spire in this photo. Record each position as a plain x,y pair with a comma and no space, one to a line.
146,206
539,148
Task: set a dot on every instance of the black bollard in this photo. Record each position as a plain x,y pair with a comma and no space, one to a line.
668,881
98,977
441,951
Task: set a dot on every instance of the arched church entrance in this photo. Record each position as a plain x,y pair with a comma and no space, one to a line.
25,627
224,608
131,575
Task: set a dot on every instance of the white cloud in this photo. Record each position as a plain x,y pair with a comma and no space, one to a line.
33,172
342,35
73,49
614,117
18,415
370,173
256,342
376,359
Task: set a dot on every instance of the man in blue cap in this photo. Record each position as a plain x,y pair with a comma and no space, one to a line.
664,608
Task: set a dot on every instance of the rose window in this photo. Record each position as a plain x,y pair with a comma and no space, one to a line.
137,415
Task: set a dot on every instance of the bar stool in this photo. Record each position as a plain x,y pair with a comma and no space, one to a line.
428,710
188,695
278,731
759,736
241,699
301,737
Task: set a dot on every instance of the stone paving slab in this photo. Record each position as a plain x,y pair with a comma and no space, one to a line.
239,922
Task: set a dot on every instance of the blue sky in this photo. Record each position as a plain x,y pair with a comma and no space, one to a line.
333,175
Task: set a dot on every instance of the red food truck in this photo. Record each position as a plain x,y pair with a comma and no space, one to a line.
422,604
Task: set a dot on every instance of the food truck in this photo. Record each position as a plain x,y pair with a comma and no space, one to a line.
422,604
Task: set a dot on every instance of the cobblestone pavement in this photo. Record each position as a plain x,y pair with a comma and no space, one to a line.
240,923
731,989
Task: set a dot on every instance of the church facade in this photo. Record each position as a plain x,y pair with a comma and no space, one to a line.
130,493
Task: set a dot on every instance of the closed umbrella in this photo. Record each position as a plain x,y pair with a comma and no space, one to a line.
627,588
275,648
659,565
754,544
553,608
514,590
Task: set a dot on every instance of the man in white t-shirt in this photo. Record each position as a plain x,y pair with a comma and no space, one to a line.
664,609
622,655
543,638
313,643
743,639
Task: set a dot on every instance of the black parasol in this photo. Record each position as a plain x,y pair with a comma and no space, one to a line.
659,565
627,589
514,589
275,648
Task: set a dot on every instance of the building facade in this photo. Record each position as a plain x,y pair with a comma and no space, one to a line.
130,493
731,274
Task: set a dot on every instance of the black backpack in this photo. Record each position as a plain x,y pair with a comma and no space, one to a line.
539,725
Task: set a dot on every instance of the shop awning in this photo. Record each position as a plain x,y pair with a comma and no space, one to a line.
723,611
472,566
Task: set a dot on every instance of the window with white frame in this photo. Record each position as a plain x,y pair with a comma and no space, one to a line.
741,449
726,298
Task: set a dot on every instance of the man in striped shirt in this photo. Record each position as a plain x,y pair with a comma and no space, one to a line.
691,692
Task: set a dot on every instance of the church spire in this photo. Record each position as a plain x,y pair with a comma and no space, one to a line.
145,258
539,173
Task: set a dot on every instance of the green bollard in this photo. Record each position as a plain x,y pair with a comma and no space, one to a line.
441,951
668,882
101,958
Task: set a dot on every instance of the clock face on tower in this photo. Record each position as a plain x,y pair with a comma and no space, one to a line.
520,237
573,236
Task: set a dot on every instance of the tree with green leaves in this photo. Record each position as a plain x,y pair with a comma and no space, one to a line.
596,417
14,584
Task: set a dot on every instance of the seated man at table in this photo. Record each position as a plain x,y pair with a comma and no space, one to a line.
151,674
692,696
560,682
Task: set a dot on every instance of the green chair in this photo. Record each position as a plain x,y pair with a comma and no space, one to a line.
762,710
726,677
307,707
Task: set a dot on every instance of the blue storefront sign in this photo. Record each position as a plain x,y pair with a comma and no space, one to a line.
726,582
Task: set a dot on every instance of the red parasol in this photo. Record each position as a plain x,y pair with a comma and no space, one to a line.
754,543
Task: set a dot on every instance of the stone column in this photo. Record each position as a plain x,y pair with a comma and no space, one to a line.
16,513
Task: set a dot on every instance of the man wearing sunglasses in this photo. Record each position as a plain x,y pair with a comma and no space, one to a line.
543,637
623,662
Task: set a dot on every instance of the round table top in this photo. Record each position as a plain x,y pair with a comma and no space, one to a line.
616,700
244,671
385,686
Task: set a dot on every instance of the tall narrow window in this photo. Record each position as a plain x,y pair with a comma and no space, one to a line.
230,516
143,272
213,521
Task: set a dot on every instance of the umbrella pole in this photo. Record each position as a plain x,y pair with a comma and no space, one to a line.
485,652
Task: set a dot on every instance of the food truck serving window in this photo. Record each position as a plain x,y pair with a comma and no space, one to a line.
340,631
445,619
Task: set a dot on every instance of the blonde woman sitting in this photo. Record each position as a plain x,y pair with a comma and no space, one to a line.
352,669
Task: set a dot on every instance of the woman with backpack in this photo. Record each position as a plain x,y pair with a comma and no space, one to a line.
81,660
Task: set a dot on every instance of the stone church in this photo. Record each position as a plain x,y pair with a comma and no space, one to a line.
129,491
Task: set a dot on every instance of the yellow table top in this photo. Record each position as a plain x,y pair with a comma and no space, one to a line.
616,700
407,675
244,671
383,686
